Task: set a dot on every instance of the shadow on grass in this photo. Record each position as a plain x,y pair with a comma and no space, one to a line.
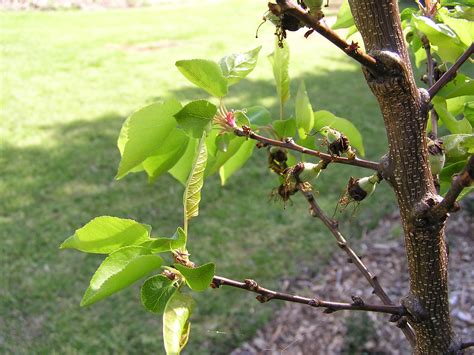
50,192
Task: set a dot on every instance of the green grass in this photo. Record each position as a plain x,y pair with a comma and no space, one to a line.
69,79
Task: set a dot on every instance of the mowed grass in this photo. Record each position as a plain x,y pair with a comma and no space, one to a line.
69,80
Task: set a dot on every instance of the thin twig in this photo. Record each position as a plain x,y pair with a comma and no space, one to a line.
431,81
291,145
461,181
289,7
451,73
333,227
266,295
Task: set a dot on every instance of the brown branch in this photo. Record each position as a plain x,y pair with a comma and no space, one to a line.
291,145
466,345
333,227
431,80
451,73
266,295
289,7
448,204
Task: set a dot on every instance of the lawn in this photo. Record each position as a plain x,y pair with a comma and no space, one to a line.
69,80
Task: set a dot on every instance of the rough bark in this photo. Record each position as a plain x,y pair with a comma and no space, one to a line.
404,108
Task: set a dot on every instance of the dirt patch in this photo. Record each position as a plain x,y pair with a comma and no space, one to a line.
298,329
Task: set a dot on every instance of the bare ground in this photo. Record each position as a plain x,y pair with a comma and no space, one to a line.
298,329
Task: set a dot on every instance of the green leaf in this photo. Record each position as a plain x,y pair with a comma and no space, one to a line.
237,66
119,270
169,153
259,115
280,60
303,112
344,17
235,162
458,146
143,132
199,278
452,124
457,2
180,171
156,292
463,28
325,118
285,128
192,192
223,140
161,245
469,112
448,171
195,116
176,323
205,74
461,85
105,234
442,39
222,157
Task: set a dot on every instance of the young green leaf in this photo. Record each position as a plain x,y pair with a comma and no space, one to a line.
205,74
156,292
176,323
119,270
237,66
463,28
222,157
195,116
161,245
199,278
458,146
344,17
447,43
143,132
192,192
235,162
461,85
170,152
303,112
325,118
452,124
106,234
285,128
280,60
180,171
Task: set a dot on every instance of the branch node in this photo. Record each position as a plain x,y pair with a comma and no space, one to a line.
252,285
263,298
414,308
357,301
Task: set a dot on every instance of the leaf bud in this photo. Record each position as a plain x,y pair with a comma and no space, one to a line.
436,155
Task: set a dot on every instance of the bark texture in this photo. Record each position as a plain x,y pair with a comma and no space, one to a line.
405,111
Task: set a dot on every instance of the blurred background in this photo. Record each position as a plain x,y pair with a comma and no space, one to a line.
71,72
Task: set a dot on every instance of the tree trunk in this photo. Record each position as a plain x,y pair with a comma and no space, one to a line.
406,168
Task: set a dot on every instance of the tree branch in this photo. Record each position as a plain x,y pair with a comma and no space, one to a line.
448,204
266,295
289,7
451,73
291,145
333,227
431,80
466,345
